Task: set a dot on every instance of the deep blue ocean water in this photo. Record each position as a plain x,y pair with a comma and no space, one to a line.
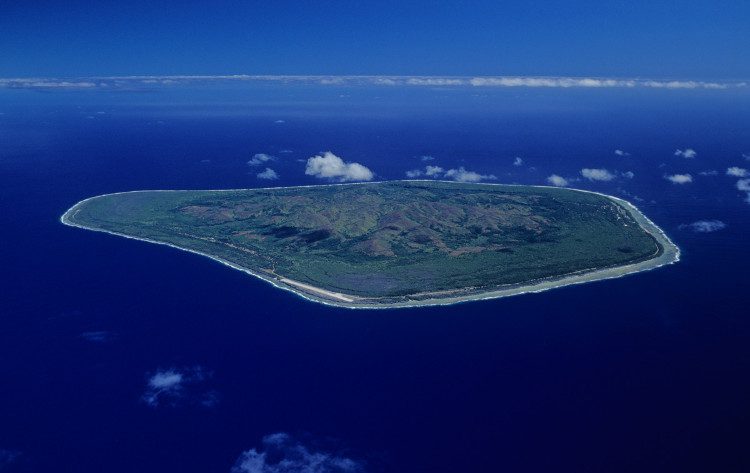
643,373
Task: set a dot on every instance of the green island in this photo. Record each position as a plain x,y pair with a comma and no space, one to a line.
397,243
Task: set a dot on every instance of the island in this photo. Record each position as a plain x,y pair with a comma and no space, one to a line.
396,243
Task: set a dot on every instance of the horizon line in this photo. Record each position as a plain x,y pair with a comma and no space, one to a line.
480,81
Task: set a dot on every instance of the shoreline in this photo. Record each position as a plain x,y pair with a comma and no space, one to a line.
670,254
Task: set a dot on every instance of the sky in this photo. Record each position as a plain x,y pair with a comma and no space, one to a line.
702,40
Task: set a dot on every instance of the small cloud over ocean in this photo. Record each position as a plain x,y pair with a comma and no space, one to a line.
260,158
557,181
330,166
686,153
173,387
280,453
269,175
679,178
737,171
704,226
460,174
463,175
597,174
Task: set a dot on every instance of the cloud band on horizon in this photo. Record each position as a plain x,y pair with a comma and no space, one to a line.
119,82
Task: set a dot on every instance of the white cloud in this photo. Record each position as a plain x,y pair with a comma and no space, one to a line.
114,82
434,81
620,152
172,386
517,161
429,171
736,172
32,83
711,172
746,156
163,386
432,171
743,185
564,82
384,81
268,174
279,121
679,178
165,380
556,180
330,166
594,82
677,84
462,175
282,454
332,81
704,226
426,158
260,158
686,153
628,174
597,174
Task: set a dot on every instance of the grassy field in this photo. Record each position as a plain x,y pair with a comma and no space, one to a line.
389,239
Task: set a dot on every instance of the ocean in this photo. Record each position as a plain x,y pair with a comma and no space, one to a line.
123,356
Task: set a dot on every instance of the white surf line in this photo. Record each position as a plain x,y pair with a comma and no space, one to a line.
64,219
670,255
317,290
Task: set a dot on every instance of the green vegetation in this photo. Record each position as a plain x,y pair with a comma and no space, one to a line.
389,241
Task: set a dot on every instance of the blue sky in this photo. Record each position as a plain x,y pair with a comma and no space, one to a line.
665,39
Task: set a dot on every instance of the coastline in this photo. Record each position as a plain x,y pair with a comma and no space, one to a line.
670,254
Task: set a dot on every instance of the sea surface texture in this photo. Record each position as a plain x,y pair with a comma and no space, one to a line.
121,356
